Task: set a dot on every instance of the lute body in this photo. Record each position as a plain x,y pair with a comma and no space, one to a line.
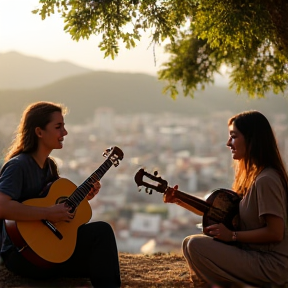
222,206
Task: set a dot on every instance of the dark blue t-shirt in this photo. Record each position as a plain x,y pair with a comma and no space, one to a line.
22,178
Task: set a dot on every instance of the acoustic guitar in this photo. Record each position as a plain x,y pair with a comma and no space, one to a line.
44,243
222,205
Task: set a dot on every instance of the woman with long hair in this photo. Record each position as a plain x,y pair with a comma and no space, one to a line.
26,174
258,255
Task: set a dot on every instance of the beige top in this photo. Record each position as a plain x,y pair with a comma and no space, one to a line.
257,265
266,196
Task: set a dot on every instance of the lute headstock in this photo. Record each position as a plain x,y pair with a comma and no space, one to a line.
160,187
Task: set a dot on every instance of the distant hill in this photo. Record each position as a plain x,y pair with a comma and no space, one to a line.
133,93
18,71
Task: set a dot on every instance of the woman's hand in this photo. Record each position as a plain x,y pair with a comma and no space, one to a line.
219,231
94,190
60,212
272,232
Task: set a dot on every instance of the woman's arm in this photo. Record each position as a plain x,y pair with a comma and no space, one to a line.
272,232
13,210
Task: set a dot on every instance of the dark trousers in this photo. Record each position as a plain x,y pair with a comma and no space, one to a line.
95,257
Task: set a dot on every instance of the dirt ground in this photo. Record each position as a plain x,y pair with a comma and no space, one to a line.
137,271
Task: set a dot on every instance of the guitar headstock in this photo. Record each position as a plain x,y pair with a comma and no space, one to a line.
114,154
160,187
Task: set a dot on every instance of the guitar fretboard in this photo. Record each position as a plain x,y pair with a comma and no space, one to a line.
81,192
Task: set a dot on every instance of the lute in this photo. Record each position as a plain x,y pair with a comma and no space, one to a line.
222,205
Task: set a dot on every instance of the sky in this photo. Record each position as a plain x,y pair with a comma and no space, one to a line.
26,33
22,31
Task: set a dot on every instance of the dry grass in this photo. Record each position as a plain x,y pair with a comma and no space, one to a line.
137,271
158,270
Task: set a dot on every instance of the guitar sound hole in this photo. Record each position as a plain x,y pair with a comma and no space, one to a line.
67,202
61,200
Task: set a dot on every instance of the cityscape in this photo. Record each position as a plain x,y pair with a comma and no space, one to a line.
185,150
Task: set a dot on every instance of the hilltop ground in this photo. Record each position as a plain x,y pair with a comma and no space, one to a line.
137,271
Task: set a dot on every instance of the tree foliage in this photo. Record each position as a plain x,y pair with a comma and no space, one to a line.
248,36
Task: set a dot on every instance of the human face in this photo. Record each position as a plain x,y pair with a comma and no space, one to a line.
52,136
236,142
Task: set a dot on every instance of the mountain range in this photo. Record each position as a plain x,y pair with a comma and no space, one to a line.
85,91
18,71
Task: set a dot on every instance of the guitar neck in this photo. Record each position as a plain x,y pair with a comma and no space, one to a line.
187,201
81,192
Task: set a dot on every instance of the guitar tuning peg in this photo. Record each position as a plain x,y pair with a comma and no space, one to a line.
155,173
139,189
150,192
146,190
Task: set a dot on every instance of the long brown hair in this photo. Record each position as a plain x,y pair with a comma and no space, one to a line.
261,150
37,114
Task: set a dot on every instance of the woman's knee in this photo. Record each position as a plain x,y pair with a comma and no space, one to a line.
185,244
197,244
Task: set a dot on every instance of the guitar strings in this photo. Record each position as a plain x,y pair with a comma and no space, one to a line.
79,194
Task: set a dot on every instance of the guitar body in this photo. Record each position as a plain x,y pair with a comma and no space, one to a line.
39,237
224,208
44,243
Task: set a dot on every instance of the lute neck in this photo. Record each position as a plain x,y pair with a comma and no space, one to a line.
187,201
